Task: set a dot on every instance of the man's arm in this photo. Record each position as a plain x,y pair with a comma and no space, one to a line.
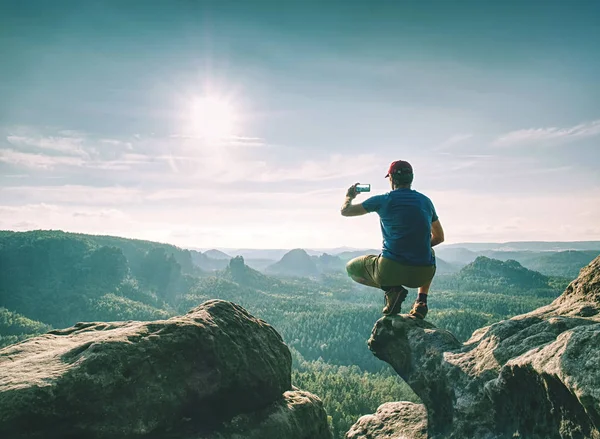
437,233
349,209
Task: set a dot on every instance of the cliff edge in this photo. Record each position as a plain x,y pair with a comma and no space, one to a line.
534,376
216,372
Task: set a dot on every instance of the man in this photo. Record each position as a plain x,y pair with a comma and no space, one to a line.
410,228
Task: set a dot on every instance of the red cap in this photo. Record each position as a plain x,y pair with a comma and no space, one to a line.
400,167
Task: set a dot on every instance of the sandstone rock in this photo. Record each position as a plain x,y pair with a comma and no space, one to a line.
394,420
146,379
414,349
298,415
534,376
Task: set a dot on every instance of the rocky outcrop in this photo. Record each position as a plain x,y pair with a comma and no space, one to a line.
298,415
535,376
405,420
216,372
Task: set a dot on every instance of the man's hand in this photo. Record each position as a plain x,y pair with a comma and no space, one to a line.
351,193
349,209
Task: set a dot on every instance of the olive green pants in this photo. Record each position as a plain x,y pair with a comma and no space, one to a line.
379,272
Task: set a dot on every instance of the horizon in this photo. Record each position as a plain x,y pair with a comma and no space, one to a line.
314,249
224,125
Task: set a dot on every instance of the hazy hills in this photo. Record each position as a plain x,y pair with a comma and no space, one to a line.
540,246
566,263
295,263
346,253
217,254
493,275
550,258
57,279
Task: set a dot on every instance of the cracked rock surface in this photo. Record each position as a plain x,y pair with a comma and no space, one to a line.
533,376
215,372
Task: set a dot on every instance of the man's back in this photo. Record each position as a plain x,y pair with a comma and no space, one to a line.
405,216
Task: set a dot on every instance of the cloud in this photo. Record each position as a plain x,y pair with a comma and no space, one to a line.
74,194
335,166
233,161
65,145
66,142
265,225
102,214
453,141
32,160
69,148
178,158
226,201
75,219
118,143
172,194
548,135
228,141
516,217
266,219
44,161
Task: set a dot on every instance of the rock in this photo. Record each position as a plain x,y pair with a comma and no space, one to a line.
144,379
414,349
394,420
535,376
298,415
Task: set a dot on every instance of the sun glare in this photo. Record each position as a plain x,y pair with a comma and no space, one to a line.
213,118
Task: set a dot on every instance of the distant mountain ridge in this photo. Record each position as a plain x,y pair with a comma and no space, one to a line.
296,262
549,258
217,254
237,271
526,245
508,272
564,263
493,275
349,252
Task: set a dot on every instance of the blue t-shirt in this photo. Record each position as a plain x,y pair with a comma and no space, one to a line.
405,216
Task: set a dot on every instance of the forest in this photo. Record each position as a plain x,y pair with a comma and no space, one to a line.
54,279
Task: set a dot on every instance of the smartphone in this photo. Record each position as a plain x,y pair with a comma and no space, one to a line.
363,188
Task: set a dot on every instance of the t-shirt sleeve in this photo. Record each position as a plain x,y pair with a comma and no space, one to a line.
434,216
373,204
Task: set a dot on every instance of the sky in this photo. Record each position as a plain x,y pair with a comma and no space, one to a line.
241,124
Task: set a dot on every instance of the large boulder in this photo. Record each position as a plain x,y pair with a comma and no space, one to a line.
535,376
191,374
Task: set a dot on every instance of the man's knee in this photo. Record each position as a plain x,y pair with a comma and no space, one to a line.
350,267
361,280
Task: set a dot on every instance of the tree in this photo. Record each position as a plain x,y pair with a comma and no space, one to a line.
106,267
160,271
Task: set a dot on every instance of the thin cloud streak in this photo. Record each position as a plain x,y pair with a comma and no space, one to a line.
116,196
237,159
228,141
550,135
44,161
41,161
66,145
452,141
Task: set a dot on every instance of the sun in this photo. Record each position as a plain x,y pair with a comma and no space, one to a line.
213,118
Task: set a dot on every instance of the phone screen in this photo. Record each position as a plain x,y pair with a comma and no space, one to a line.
363,188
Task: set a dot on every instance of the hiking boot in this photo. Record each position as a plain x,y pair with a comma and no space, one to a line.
419,310
393,300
